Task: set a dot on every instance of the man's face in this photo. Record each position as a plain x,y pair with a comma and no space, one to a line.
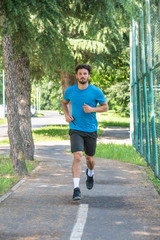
82,76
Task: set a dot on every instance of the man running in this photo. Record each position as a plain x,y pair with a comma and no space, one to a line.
83,124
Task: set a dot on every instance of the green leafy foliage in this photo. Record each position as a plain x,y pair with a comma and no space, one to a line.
51,93
57,35
114,80
119,97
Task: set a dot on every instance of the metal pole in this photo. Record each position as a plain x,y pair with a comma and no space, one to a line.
139,92
143,60
131,84
151,87
135,85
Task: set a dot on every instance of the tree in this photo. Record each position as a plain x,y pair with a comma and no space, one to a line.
98,33
33,27
23,90
16,149
98,30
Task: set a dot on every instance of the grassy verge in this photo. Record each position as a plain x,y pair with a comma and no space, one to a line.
60,132
50,133
54,133
126,153
7,177
3,121
111,118
153,179
39,114
121,152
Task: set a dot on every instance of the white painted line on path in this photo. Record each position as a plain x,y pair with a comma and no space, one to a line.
80,223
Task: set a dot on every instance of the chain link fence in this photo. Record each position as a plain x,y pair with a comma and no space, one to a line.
145,83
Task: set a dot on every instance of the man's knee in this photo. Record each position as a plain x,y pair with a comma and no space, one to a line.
89,158
78,156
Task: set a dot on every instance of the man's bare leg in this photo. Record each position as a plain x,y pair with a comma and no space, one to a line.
90,161
90,171
76,173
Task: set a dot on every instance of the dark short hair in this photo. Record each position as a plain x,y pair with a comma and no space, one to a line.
83,66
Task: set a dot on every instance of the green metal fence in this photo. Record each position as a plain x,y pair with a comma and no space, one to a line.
145,83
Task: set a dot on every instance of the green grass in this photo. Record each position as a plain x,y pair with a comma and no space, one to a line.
7,182
51,133
111,118
3,121
7,177
4,141
60,132
153,179
126,153
45,134
39,114
121,152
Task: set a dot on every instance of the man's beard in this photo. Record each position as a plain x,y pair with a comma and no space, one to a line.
83,82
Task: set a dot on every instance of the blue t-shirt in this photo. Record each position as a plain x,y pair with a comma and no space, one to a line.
92,95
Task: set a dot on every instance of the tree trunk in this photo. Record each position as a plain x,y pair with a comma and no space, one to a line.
23,98
16,148
66,81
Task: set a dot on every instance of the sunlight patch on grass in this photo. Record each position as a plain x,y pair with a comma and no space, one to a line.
51,133
111,118
3,121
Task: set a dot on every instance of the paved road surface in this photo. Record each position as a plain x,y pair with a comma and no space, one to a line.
123,204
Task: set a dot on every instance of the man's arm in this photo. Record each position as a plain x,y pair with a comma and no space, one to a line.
65,110
102,108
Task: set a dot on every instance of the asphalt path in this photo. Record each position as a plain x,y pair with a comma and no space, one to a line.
123,205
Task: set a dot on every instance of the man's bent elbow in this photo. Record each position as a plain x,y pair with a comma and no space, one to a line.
106,107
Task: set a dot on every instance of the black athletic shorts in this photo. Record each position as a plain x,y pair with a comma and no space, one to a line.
83,141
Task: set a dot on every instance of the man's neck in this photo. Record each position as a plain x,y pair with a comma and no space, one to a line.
82,86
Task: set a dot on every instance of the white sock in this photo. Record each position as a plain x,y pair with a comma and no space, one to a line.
76,182
90,172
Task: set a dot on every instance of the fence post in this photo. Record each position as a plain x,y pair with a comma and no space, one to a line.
139,91
144,85
135,85
131,84
151,87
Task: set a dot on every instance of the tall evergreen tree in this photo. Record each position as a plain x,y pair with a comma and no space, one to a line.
16,149
98,33
35,34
